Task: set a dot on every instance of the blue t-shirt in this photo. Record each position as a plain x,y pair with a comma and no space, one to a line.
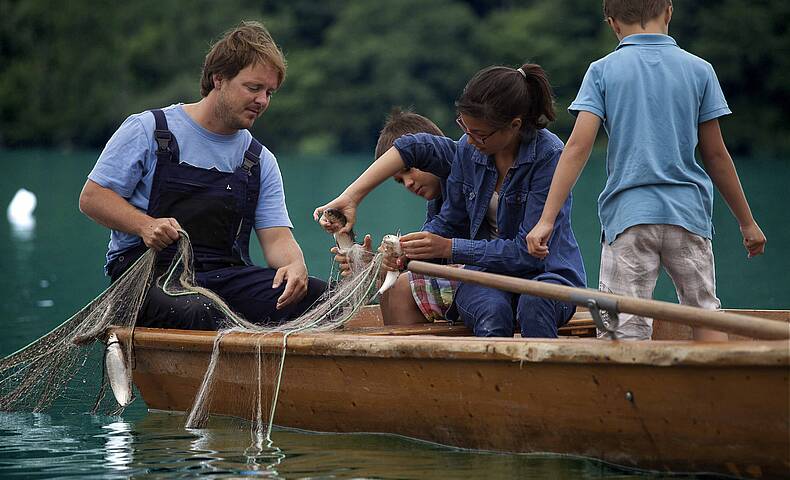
652,96
128,161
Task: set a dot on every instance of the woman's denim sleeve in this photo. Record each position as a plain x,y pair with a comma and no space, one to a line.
427,152
453,219
510,256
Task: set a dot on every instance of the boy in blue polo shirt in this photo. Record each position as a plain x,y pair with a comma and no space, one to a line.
657,103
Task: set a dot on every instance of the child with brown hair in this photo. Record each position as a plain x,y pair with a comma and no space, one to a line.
657,103
414,298
500,174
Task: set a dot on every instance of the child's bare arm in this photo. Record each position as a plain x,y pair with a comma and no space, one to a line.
571,163
720,167
383,168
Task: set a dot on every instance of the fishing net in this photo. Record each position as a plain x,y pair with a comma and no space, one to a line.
57,366
60,364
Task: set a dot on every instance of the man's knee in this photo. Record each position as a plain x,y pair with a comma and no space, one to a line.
187,312
315,288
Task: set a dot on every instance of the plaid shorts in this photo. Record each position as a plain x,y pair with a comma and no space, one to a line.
433,295
630,267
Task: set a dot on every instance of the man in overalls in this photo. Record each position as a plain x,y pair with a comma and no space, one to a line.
196,167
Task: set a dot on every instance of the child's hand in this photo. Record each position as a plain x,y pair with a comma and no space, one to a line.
538,239
426,245
344,261
753,239
346,205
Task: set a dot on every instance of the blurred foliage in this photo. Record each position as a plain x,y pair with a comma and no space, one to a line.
70,72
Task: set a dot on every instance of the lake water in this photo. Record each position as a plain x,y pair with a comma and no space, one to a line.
54,269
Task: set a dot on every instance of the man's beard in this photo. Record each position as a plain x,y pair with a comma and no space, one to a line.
224,112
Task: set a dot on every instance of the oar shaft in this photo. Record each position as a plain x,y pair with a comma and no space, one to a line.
696,317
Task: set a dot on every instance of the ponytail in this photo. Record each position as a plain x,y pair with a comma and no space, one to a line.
497,95
542,105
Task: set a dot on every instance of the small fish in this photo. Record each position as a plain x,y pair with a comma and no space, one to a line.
390,245
337,220
115,366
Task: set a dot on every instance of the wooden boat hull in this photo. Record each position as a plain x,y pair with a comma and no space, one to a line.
661,405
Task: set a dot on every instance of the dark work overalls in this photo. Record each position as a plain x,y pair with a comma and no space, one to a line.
217,210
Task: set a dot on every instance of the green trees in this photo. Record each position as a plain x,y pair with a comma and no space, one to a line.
375,55
70,73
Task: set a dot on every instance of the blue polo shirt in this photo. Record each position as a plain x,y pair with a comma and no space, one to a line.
652,95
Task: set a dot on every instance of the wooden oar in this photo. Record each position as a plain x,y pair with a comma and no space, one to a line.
696,317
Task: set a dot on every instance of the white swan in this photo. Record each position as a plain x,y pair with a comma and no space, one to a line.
20,210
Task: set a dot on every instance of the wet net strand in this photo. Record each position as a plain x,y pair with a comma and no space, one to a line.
57,366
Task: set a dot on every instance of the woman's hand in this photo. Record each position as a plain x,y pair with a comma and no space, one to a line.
390,262
346,205
426,245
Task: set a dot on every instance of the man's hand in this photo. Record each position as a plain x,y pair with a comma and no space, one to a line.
426,245
538,239
343,261
107,208
159,232
295,277
347,207
753,239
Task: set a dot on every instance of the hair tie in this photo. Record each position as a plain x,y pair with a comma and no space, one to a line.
523,74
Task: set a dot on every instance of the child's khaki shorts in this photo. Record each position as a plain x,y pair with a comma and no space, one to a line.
629,266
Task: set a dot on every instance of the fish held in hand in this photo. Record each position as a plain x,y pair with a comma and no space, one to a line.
336,220
390,245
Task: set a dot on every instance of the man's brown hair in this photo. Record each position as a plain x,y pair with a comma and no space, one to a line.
399,123
631,12
247,44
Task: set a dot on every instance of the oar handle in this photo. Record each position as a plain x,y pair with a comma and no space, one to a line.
696,317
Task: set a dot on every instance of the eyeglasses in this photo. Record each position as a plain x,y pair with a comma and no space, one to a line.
481,139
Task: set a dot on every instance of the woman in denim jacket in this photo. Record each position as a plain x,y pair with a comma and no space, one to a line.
501,172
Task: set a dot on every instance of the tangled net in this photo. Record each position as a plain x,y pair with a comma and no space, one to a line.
50,368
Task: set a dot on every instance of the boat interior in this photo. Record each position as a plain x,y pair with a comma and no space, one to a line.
369,322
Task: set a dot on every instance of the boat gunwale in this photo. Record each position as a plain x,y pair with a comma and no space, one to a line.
768,353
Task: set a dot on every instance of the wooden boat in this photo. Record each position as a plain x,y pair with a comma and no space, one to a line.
669,405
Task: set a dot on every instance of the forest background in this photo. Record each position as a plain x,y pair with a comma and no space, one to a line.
70,72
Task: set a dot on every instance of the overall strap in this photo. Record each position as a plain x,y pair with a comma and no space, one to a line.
163,138
252,172
252,156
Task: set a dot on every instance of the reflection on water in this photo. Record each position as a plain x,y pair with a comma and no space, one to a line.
156,445
23,234
118,446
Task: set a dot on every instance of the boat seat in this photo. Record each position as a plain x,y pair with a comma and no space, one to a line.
368,322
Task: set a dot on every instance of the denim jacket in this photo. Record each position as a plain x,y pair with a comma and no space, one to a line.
470,186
